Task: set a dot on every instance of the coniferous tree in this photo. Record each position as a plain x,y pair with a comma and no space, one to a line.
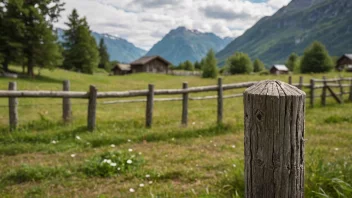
81,51
210,65
258,65
292,62
239,63
188,66
104,56
316,59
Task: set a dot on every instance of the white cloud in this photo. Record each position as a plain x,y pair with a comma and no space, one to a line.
145,22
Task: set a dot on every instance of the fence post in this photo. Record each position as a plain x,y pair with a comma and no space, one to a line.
341,89
350,91
312,96
185,105
92,107
290,80
274,140
220,101
66,104
300,85
323,95
13,114
150,104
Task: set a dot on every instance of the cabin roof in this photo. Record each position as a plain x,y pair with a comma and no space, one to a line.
146,59
122,67
280,67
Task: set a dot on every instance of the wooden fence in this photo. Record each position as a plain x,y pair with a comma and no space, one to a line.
93,95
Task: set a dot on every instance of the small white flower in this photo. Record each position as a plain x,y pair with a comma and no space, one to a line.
118,168
73,155
105,161
336,149
130,150
53,142
113,164
193,123
88,143
234,165
2,4
129,140
108,161
133,156
147,176
173,139
132,190
140,153
36,5
78,138
129,161
233,146
150,182
141,185
113,145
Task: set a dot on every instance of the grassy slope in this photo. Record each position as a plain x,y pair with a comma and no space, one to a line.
193,161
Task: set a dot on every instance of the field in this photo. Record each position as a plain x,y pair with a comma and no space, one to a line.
45,158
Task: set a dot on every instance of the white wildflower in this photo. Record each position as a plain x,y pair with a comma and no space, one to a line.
193,123
54,142
234,165
118,168
147,176
73,155
140,153
108,161
141,185
113,164
130,150
233,146
78,138
129,140
132,190
113,146
336,149
129,161
150,182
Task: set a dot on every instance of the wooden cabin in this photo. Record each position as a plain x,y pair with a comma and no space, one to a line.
150,64
279,69
344,63
121,69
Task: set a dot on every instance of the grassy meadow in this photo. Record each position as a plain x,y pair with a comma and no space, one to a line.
45,158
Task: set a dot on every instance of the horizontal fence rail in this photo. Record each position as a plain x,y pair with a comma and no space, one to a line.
93,94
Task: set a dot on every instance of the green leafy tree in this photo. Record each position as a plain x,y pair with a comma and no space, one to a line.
197,65
258,66
292,62
209,67
239,63
182,66
104,55
316,59
189,66
81,51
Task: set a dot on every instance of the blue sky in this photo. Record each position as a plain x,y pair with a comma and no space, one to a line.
145,22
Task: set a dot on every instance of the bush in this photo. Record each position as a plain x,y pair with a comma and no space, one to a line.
316,59
264,72
239,63
209,66
258,66
112,163
292,62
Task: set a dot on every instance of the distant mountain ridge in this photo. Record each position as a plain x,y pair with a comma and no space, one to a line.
118,48
183,44
293,28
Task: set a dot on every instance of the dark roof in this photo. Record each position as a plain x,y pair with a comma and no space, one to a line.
146,59
349,56
280,67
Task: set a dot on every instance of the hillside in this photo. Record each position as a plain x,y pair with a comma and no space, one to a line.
182,44
293,28
118,48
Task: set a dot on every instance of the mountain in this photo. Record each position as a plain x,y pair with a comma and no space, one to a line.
182,44
118,48
293,28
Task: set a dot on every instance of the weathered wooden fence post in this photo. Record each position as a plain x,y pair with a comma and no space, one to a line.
312,96
66,104
149,108
341,89
274,140
185,105
300,85
92,107
290,80
220,101
323,95
13,115
350,98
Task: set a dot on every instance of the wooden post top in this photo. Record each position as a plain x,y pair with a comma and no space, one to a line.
274,88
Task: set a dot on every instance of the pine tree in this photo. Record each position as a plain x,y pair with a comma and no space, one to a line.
258,65
316,59
188,66
81,51
292,62
104,56
210,66
239,63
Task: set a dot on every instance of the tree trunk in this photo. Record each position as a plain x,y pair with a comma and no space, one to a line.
5,64
30,67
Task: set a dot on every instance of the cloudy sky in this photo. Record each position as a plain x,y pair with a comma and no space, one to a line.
145,22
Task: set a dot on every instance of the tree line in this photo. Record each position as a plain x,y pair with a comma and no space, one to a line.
28,38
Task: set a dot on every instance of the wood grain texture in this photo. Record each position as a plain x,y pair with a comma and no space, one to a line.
66,104
150,105
341,90
312,94
13,113
324,93
300,85
92,108
350,97
220,101
184,121
274,140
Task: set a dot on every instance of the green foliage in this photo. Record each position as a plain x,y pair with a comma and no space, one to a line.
189,66
258,65
293,62
337,119
316,59
264,72
197,65
239,63
210,66
104,55
112,163
81,52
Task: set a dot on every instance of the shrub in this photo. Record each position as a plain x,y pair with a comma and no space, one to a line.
264,72
209,66
112,163
292,62
316,59
240,63
258,66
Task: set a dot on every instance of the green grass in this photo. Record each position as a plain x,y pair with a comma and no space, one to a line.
45,158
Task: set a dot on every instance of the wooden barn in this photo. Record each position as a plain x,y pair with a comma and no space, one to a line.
121,69
344,63
279,69
151,64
